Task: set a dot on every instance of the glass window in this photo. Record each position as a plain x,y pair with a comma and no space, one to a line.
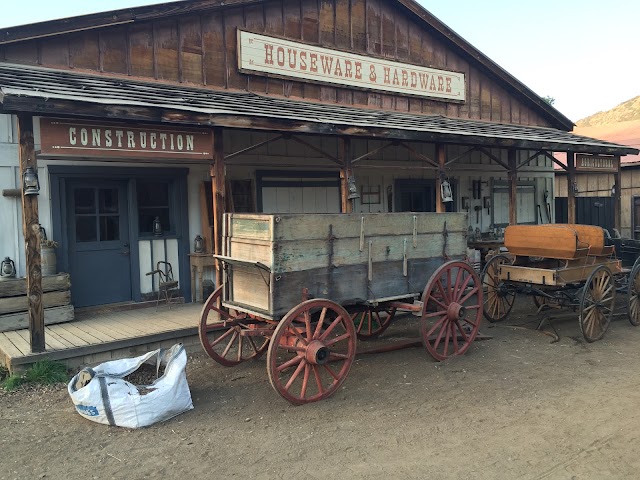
153,201
97,214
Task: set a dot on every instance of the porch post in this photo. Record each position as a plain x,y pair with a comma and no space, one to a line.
31,230
513,186
571,181
218,192
346,172
441,153
617,197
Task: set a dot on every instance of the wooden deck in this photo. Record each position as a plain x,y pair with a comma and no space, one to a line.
100,336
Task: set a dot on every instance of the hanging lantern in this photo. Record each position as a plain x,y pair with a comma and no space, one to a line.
157,227
445,191
353,188
30,182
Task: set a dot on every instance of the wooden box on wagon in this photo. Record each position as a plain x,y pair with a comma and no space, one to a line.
349,258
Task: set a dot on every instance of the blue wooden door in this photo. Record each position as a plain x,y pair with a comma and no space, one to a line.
99,250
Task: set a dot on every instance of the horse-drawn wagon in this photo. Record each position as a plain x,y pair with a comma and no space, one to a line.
561,265
304,287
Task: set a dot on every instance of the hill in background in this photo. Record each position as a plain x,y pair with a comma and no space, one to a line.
625,112
620,125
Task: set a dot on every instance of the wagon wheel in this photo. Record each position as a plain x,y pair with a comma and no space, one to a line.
372,321
220,333
311,351
498,297
633,301
596,304
454,290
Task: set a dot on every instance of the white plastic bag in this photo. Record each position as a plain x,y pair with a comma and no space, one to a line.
101,394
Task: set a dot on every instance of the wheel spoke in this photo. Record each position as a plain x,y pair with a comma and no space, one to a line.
436,325
318,329
330,328
295,374
330,371
289,363
468,295
230,344
333,341
305,381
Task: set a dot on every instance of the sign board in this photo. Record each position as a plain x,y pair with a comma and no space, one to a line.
596,163
270,56
74,138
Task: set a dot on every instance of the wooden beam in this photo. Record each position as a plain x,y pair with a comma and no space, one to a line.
441,155
218,192
346,172
571,181
31,230
513,186
11,192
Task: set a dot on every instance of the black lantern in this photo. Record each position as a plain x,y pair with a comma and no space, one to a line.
157,227
198,244
30,182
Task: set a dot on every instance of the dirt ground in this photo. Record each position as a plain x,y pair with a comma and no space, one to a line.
516,406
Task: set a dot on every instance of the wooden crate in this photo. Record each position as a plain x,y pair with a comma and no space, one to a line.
348,258
56,300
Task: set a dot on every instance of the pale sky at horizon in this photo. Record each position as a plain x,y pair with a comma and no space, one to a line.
581,52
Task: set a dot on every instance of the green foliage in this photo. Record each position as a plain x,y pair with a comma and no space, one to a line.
549,100
42,372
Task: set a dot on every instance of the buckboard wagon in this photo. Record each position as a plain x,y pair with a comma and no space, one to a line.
561,265
304,287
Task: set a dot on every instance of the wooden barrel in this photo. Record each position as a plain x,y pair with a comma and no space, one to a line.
48,260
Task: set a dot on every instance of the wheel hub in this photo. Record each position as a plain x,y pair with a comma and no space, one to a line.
456,311
317,353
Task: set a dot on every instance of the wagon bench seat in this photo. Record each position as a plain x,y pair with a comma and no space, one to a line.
557,241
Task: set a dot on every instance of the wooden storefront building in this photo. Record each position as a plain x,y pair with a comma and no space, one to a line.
180,111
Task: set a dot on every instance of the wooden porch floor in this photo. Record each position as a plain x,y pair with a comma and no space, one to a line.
97,337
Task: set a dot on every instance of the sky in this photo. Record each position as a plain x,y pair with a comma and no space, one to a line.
583,53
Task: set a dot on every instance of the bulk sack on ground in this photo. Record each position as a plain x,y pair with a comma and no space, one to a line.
102,395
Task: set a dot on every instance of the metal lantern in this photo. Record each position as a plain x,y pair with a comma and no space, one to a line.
445,191
30,182
8,268
198,244
353,188
157,227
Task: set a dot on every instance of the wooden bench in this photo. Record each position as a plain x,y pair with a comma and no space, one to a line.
557,241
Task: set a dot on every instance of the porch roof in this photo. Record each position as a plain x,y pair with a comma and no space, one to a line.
51,92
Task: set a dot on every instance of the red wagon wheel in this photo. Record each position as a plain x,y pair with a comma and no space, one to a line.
311,351
596,304
454,292
221,333
372,321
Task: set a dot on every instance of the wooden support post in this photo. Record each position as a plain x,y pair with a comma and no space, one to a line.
441,155
571,183
346,205
617,198
513,186
218,192
31,230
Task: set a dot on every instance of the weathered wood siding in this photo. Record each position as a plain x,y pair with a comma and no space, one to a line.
201,50
346,258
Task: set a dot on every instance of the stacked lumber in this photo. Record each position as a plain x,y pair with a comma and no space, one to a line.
56,299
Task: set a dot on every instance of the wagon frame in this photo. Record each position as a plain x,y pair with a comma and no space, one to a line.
304,288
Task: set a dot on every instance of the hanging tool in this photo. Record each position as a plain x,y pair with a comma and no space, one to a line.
539,213
477,208
547,205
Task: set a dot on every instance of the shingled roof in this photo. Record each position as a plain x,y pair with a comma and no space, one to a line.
56,92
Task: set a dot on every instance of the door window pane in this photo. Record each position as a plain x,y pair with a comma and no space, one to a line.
86,229
84,200
108,200
109,228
